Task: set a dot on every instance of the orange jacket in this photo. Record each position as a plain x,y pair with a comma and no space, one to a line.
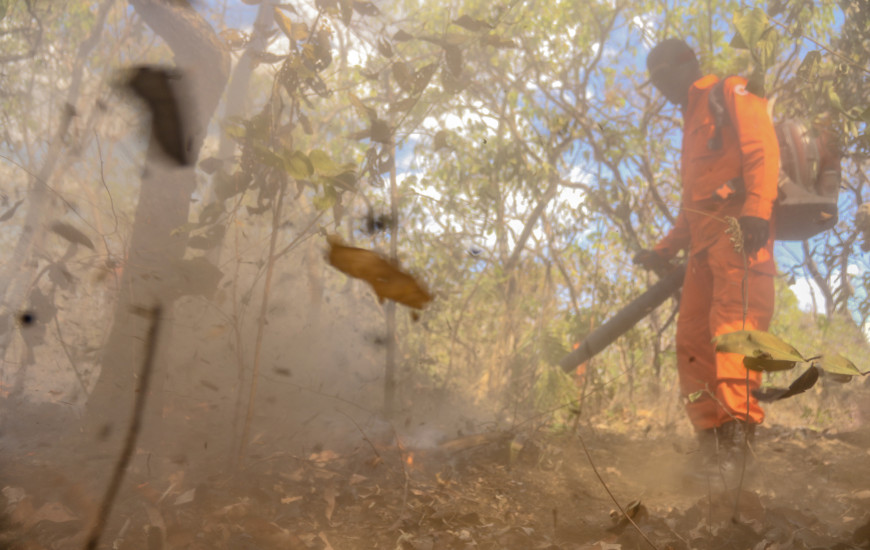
749,149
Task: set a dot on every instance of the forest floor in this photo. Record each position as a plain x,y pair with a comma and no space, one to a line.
524,489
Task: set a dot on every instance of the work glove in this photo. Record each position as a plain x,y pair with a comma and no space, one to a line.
651,261
755,231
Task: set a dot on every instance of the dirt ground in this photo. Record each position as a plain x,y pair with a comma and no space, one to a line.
524,488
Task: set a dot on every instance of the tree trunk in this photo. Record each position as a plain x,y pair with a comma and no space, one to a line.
163,206
17,275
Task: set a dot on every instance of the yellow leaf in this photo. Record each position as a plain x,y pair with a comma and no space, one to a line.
284,22
757,344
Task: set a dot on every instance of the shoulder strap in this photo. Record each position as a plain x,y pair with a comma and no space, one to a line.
716,101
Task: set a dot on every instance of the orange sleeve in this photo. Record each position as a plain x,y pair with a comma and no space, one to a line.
759,147
677,238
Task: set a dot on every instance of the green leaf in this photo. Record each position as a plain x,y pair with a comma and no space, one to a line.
322,163
834,99
269,157
328,199
694,396
757,344
298,165
838,364
809,66
755,83
750,27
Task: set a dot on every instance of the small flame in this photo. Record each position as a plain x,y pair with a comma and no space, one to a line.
410,459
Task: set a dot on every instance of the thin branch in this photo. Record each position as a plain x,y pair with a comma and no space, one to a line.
70,357
606,488
835,53
132,432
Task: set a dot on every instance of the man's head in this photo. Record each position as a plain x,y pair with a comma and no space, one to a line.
673,68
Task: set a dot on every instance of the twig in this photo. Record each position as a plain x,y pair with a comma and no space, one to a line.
831,51
613,498
132,432
70,358
261,324
745,292
362,433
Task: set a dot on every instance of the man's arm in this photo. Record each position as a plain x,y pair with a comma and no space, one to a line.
677,238
758,145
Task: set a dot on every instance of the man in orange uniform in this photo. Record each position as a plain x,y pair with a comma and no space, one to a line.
728,170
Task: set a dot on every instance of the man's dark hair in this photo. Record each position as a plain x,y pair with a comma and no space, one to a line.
669,53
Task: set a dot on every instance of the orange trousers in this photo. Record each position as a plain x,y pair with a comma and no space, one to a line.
712,303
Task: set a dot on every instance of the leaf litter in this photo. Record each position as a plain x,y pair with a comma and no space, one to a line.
494,489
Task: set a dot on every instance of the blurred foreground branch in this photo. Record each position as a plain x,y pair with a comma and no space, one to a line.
132,432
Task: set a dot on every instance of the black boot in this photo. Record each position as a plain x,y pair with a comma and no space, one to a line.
735,440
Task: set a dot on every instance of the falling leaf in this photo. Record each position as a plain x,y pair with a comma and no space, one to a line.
801,384
71,234
153,85
472,24
387,280
11,212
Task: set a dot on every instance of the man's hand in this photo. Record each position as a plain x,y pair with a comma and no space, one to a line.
651,261
755,231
